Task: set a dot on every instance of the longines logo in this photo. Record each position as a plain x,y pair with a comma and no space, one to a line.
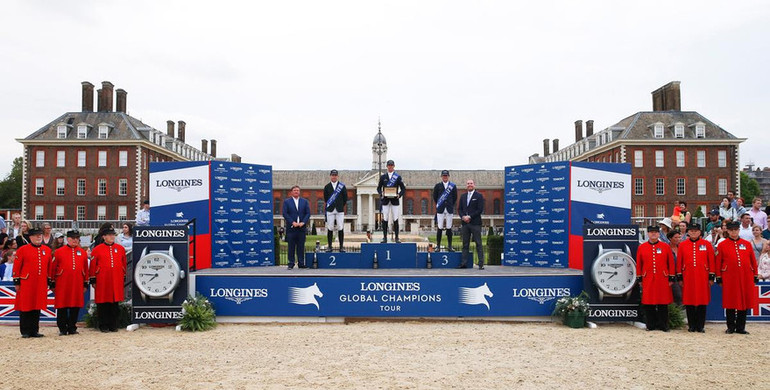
264,171
178,184
238,295
543,179
541,295
600,185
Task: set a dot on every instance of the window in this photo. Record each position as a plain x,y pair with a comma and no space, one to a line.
81,213
639,186
81,187
39,211
104,131
102,158
320,207
701,186
659,158
639,210
82,131
39,186
350,207
660,186
660,211
60,187
123,158
680,186
61,131
81,158
409,207
101,187
122,213
679,130
701,154
60,158
123,187
638,158
496,206
424,206
722,158
277,206
680,158
658,130
40,158
700,130
722,186
59,213
101,213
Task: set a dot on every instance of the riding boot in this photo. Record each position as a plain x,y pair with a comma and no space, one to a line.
449,239
438,239
341,237
395,229
330,238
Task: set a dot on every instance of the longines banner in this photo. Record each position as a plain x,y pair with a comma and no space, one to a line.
386,296
547,204
160,266
232,205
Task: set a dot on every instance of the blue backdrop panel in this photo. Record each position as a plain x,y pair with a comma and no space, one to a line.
537,215
402,255
241,215
319,296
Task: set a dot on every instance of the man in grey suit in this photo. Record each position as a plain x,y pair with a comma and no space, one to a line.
470,208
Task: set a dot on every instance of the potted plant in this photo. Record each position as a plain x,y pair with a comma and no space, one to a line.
572,310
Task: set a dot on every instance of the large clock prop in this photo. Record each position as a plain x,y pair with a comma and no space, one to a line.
609,271
160,267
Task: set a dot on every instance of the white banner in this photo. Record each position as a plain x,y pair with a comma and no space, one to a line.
601,187
179,185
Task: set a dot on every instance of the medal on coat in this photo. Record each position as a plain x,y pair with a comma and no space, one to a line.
658,251
702,248
741,247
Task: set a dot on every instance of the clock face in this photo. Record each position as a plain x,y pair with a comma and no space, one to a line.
156,274
614,273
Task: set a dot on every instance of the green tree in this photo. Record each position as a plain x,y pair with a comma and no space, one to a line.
749,189
10,187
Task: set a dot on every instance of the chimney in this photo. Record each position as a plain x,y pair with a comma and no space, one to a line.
546,143
106,96
214,148
589,128
170,128
555,145
120,100
99,100
667,98
578,130
235,158
180,130
204,146
88,97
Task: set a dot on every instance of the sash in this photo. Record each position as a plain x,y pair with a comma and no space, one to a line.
393,179
447,191
335,194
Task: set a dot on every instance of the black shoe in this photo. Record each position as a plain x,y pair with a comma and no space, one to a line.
650,328
37,335
742,331
302,266
342,250
701,330
729,331
665,330
63,333
462,266
481,267
290,266
398,241
328,249
113,329
25,336
451,249
691,329
104,330
384,241
74,332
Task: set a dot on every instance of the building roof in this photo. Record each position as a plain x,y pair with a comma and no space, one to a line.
638,126
412,178
124,127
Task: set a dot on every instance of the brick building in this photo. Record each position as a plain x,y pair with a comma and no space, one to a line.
674,155
93,165
417,206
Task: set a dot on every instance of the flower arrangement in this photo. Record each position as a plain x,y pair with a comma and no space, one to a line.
91,318
572,310
197,314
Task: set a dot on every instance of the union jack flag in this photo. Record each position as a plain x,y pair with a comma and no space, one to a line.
762,309
8,300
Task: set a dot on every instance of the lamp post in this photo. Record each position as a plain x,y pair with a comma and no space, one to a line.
378,213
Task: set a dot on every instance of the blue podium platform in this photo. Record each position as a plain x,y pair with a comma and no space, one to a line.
389,256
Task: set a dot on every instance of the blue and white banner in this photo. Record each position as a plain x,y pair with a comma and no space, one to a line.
386,296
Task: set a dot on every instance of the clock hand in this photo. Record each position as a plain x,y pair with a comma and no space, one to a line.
146,274
156,275
615,273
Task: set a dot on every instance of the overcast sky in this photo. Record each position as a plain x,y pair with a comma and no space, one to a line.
458,85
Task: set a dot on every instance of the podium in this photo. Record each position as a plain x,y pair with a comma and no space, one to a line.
389,256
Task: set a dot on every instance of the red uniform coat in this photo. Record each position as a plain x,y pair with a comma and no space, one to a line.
695,263
737,265
654,264
108,266
70,271
31,266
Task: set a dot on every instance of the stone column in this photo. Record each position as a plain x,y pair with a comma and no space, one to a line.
359,215
371,212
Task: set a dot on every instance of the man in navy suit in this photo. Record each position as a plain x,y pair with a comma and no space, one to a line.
470,208
296,213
